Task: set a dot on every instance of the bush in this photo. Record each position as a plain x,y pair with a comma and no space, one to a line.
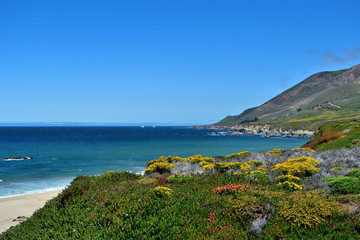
343,184
238,155
291,186
159,167
307,209
303,149
162,191
148,181
255,163
302,166
337,169
290,178
179,178
115,176
276,152
249,207
355,173
209,166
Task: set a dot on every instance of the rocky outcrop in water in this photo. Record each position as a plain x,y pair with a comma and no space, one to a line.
263,130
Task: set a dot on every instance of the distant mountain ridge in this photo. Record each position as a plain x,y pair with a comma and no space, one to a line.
324,96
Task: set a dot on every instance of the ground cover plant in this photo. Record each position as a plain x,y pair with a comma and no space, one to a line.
336,135
228,201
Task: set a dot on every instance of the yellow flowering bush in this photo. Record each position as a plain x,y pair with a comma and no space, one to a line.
238,155
307,209
276,152
223,167
162,191
172,158
303,149
160,159
209,166
199,158
196,159
290,186
261,168
163,164
159,167
244,167
302,166
290,178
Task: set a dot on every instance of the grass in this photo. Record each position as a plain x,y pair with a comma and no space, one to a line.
122,205
336,135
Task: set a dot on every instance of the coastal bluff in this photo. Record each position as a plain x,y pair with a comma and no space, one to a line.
261,130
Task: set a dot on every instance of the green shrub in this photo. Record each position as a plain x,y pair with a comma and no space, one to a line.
255,163
337,169
115,176
355,173
179,178
343,184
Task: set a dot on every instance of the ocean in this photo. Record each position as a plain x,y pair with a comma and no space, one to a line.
61,153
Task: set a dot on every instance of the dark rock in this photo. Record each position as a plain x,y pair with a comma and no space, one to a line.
20,219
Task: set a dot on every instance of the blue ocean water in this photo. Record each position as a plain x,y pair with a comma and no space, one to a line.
62,153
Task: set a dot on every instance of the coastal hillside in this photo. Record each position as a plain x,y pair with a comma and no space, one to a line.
279,194
324,96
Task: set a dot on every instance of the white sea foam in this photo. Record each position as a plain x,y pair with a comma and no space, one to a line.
34,192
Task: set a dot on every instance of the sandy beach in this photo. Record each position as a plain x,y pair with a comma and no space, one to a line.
14,207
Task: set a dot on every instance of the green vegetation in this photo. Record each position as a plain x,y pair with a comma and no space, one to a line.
336,135
345,184
322,97
220,205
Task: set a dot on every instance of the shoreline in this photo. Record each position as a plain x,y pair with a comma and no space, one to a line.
258,130
12,208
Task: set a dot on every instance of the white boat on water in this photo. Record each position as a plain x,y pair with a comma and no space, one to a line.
142,126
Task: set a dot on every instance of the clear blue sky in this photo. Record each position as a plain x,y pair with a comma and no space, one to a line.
171,61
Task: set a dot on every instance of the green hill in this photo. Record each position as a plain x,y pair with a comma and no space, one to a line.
267,195
324,96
